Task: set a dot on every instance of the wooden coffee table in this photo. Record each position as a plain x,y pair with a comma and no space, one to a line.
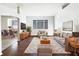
45,41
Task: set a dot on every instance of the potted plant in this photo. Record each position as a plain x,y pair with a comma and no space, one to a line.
28,29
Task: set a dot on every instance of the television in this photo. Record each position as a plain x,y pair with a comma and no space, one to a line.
23,26
68,26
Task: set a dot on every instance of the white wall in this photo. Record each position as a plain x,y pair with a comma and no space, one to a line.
5,10
29,22
59,20
4,24
71,12
38,9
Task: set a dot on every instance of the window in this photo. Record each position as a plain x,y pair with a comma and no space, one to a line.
40,24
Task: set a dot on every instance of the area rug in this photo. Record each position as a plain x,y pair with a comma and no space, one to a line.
33,46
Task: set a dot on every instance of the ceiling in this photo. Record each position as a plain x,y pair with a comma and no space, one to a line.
36,9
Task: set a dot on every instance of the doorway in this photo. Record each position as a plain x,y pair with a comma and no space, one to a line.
9,30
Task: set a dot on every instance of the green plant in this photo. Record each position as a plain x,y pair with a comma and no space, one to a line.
28,29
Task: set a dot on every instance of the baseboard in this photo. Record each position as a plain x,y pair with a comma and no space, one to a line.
37,35
0,53
50,35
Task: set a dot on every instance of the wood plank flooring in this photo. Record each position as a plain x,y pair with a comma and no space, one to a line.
17,49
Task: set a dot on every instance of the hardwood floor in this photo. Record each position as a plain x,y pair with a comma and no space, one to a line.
17,49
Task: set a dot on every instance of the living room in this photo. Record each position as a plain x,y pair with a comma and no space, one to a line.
52,22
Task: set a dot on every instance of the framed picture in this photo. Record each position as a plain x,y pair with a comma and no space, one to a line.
68,26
